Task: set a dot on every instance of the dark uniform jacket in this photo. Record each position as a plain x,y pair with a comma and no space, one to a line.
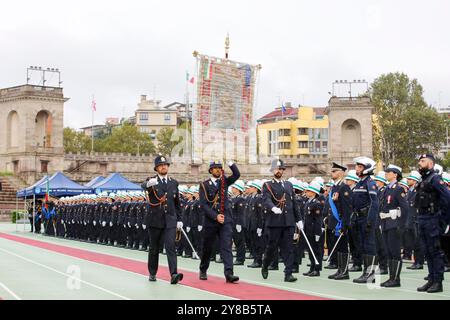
394,197
274,191
312,211
210,198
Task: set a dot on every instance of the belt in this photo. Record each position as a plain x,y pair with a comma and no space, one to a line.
392,214
362,212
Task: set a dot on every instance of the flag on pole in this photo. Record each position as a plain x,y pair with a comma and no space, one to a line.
94,104
47,192
283,108
189,79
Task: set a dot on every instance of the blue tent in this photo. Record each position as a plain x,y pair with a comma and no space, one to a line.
59,185
113,183
94,181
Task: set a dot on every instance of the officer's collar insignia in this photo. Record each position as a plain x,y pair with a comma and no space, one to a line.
210,182
441,182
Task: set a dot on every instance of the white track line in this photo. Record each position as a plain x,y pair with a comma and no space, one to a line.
64,274
10,291
134,273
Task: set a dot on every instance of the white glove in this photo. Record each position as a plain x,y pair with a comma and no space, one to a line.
94,223
323,229
137,226
188,229
104,223
84,222
317,238
446,229
144,226
259,232
199,228
152,182
73,221
276,210
129,224
230,163
296,235
238,228
62,221
110,224
300,225
179,225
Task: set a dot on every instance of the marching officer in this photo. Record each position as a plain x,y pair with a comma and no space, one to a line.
216,207
281,219
366,206
432,202
164,218
393,215
340,201
238,206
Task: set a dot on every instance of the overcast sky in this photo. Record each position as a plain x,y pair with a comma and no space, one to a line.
119,50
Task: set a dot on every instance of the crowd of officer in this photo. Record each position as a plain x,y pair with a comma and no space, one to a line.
360,221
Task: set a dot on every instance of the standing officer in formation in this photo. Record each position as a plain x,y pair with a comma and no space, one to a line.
365,207
216,208
433,204
393,215
163,219
340,199
278,197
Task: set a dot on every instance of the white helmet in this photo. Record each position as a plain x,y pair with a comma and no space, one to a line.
368,164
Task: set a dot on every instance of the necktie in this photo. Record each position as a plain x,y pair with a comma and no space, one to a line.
164,181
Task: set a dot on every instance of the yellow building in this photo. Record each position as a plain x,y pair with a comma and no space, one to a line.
301,131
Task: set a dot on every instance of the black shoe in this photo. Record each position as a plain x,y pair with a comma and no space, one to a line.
272,268
331,266
355,268
255,265
231,278
332,276
187,256
264,272
290,278
176,277
315,273
426,278
307,273
435,287
238,263
152,278
295,270
415,266
425,287
203,276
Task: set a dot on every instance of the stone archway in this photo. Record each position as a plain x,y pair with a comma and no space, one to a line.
351,136
43,129
12,129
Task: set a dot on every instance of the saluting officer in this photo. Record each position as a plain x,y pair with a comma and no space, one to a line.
393,215
340,201
164,218
282,217
216,208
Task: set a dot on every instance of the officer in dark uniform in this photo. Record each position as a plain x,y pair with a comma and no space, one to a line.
412,229
432,202
282,217
381,182
164,218
393,215
340,201
255,223
237,206
216,207
366,208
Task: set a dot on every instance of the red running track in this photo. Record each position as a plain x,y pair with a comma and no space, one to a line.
214,284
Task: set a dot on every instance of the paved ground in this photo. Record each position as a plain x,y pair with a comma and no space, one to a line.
40,267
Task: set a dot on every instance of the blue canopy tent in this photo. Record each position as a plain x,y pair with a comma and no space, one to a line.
94,181
113,183
59,185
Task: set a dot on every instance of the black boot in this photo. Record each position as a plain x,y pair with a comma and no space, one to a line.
339,267
425,287
391,273
396,267
435,287
368,275
343,275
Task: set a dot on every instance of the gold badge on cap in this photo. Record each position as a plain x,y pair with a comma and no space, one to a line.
163,159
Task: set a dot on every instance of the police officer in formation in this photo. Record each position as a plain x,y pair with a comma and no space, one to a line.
368,221
163,218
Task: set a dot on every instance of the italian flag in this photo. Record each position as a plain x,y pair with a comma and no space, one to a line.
207,70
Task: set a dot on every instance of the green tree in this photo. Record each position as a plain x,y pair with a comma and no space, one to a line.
405,125
74,141
167,141
127,139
